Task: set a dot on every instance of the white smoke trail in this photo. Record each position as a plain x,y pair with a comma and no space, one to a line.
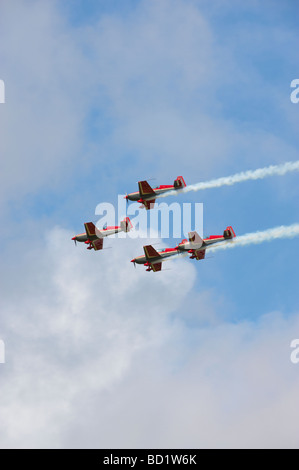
283,231
240,177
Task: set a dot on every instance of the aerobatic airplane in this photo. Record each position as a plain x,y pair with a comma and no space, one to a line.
153,259
196,247
147,195
94,237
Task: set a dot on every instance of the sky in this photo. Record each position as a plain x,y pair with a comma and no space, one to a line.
100,95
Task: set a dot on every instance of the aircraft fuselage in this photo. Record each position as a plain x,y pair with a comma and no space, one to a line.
207,242
158,191
159,259
83,237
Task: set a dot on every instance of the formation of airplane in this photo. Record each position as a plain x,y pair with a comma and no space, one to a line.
195,246
94,237
147,195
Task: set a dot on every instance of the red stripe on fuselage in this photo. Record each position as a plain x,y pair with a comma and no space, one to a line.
165,186
212,237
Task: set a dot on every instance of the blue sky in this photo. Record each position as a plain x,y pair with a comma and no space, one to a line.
98,96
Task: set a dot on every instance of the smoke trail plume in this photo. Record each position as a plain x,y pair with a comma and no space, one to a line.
240,177
283,231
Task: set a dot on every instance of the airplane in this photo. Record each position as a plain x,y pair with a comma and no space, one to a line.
147,195
195,246
94,238
153,259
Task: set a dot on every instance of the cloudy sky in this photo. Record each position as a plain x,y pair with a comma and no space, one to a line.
98,96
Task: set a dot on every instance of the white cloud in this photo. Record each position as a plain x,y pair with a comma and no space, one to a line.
76,327
92,361
99,354
236,387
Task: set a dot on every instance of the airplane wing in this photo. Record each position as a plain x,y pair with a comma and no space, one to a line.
150,252
98,244
90,229
145,190
149,204
199,254
156,267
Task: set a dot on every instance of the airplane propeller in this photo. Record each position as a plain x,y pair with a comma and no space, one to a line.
75,241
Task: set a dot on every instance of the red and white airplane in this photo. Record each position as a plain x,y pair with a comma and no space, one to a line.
195,246
147,195
94,237
153,259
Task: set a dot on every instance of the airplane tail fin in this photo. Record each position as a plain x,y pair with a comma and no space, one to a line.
195,238
229,232
179,183
126,225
